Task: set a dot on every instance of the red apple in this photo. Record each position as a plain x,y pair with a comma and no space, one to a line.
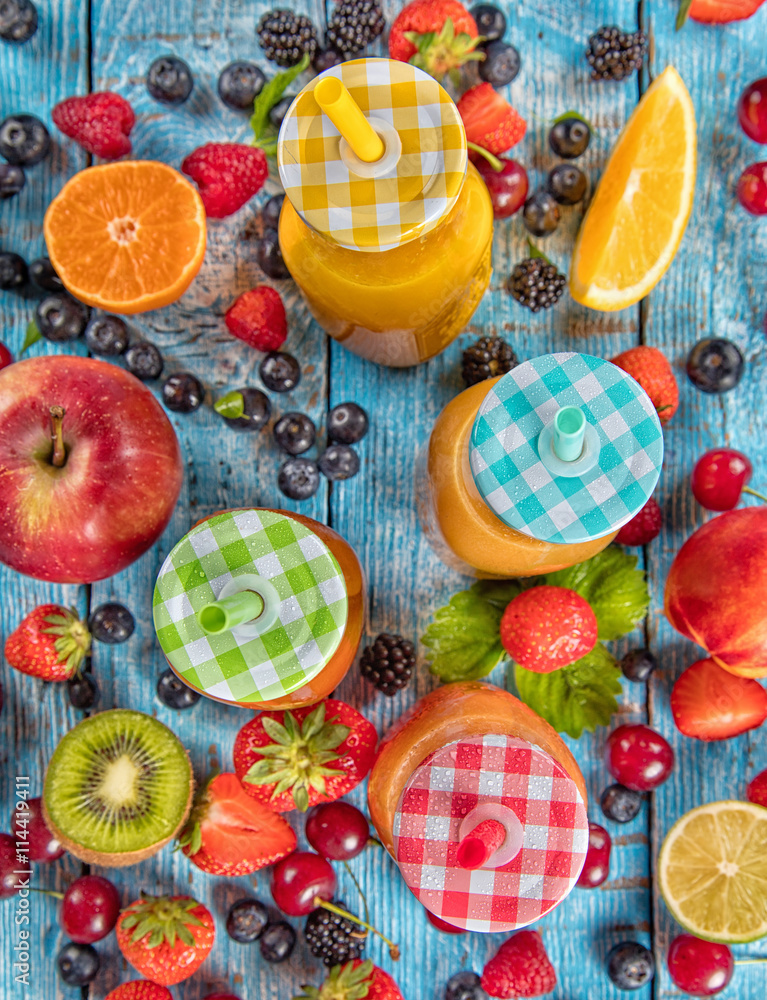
716,591
84,494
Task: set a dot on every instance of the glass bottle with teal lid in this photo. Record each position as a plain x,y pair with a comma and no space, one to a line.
260,608
537,470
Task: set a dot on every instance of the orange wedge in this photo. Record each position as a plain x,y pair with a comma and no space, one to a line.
639,213
126,237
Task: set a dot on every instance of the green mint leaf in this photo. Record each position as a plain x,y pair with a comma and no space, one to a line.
574,114
681,17
231,405
574,698
269,96
464,637
31,336
533,251
613,586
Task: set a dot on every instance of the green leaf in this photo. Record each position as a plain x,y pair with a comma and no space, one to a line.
681,17
533,251
231,405
613,586
464,637
498,592
263,130
574,698
31,336
574,114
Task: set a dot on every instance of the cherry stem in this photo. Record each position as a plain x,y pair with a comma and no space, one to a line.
753,493
358,888
332,908
750,961
47,892
374,842
494,162
59,456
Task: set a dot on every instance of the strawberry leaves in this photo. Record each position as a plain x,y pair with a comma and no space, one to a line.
158,919
683,14
73,640
351,981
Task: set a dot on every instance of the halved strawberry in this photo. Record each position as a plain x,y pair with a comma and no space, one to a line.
489,120
723,11
229,833
293,760
710,703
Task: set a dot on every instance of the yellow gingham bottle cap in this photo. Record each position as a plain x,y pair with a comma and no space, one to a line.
409,191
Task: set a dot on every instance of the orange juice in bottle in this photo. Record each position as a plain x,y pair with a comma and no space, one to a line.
260,608
537,470
386,227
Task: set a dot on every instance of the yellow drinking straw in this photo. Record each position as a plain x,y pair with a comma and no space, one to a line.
341,108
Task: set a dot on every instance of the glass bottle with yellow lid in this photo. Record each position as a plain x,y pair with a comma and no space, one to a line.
537,470
386,227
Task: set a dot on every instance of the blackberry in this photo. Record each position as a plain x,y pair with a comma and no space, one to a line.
389,663
333,938
355,24
326,59
488,357
536,284
614,54
286,37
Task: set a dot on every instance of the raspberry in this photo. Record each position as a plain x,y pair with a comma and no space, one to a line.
258,318
521,968
228,174
100,123
642,527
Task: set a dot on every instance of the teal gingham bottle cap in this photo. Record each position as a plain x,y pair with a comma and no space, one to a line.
300,579
527,493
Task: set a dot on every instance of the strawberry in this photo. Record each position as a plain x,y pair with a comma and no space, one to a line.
651,369
520,968
356,980
227,174
293,760
643,526
50,643
710,703
545,628
229,833
140,989
757,789
100,123
166,938
258,318
723,11
489,120
438,36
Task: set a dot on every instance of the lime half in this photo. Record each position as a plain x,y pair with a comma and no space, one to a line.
712,871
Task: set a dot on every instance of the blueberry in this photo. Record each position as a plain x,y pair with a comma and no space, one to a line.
107,336
256,409
12,178
715,365
169,80
277,942
567,184
182,392
570,137
500,65
540,214
638,664
465,986
83,691
13,271
490,21
630,965
144,360
339,461
239,84
43,273
60,317
620,804
173,693
280,109
279,371
269,256
78,964
326,59
18,20
270,213
299,478
111,623
347,423
24,140
294,433
246,920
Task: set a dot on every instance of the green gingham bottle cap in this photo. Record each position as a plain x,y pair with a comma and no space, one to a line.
304,592
521,480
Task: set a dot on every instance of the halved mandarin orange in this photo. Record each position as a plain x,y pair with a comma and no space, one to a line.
126,237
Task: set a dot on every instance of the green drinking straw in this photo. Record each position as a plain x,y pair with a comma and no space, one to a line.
229,612
569,430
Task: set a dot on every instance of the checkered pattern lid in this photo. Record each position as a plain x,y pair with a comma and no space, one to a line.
416,190
299,571
455,780
516,484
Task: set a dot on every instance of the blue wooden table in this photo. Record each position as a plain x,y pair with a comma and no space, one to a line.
716,286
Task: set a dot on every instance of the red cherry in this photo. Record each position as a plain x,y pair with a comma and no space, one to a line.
638,757
442,925
508,187
597,865
299,879
752,110
702,968
90,909
719,478
9,866
6,358
337,830
29,826
752,189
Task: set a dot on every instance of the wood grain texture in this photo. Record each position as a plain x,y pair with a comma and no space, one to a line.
714,285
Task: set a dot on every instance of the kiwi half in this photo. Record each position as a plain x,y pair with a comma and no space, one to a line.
118,787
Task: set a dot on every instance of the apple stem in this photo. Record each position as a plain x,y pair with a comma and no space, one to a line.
59,456
753,493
